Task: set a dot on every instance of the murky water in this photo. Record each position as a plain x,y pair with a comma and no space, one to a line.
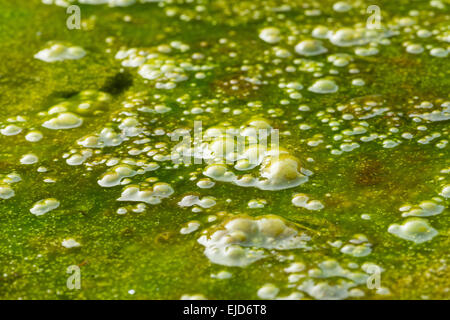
224,149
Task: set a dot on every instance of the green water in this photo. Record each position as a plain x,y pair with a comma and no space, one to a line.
240,77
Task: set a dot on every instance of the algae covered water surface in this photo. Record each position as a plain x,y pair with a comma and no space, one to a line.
209,149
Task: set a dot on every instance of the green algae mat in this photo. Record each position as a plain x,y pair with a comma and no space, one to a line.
219,149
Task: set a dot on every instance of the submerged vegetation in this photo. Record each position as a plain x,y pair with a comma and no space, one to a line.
349,177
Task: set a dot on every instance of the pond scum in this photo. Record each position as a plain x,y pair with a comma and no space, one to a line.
352,203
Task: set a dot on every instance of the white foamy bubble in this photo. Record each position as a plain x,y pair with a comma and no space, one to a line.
43,206
270,35
6,192
325,291
320,32
242,240
323,86
256,203
302,200
282,171
193,297
70,243
414,49
439,52
205,183
29,159
191,200
122,210
295,267
424,209
192,226
34,136
347,37
416,230
342,6
331,268
60,52
11,130
356,251
445,192
222,275
268,291
388,143
292,296
78,159
65,120
310,48
358,82
115,176
151,195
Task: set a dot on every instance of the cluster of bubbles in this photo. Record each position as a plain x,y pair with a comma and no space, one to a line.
157,64
328,280
60,52
6,191
148,194
242,240
303,201
247,148
111,3
417,229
